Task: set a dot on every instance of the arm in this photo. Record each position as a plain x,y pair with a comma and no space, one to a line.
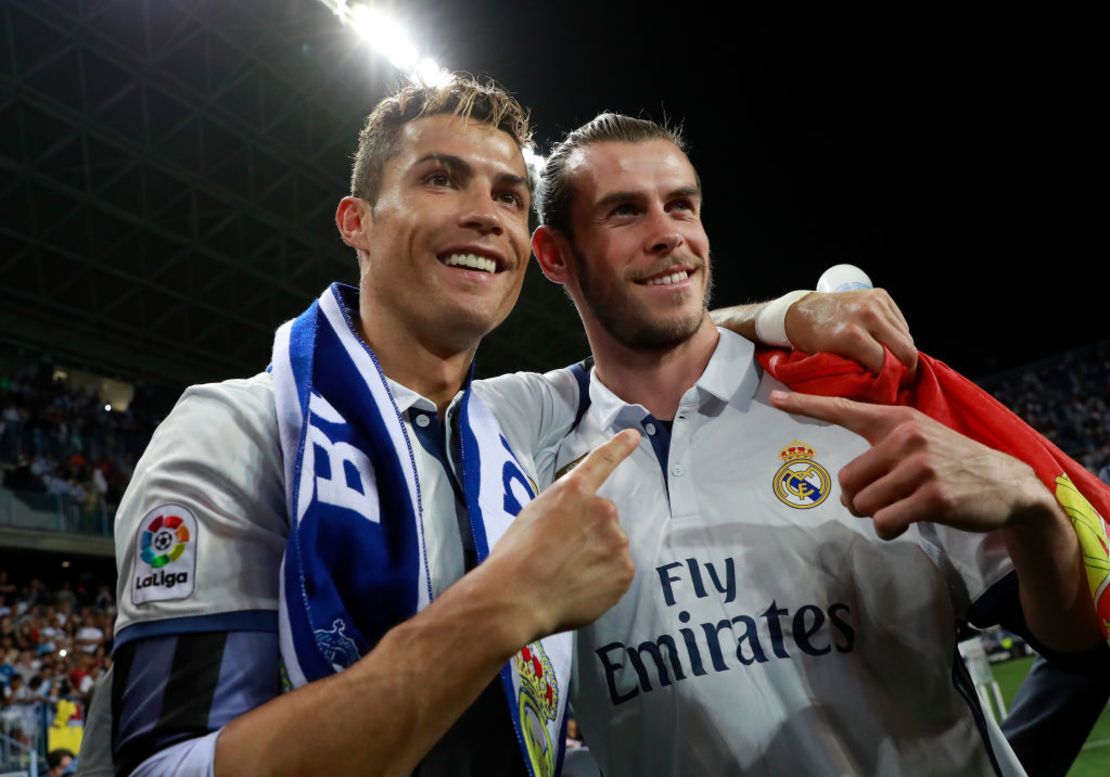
855,324
919,470
562,563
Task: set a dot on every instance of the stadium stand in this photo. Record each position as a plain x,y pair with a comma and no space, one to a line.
62,452
1067,399
54,645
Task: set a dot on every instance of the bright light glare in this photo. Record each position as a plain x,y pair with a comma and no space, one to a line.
533,161
429,73
386,36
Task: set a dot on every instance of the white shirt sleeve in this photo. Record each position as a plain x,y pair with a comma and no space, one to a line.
191,758
535,412
202,527
970,562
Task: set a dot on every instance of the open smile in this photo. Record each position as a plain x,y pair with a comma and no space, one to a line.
471,258
672,276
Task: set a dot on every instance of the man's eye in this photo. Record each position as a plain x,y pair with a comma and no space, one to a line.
438,178
685,205
624,209
511,198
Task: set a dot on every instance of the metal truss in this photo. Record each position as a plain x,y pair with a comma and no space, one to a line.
169,174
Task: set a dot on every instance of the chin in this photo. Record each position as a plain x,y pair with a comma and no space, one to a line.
653,334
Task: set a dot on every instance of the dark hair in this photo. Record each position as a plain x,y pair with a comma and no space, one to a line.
54,757
554,191
462,96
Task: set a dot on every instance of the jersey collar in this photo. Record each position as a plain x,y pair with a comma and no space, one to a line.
731,376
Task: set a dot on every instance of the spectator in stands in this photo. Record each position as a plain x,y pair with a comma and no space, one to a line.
17,712
59,762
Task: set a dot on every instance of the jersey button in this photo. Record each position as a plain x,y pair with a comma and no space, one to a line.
678,470
422,420
649,427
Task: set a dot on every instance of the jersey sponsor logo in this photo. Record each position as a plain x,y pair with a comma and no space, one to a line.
538,703
727,644
801,482
165,567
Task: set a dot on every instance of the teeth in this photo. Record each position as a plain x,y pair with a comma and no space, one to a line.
667,280
471,261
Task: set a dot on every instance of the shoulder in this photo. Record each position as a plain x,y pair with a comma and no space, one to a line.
203,523
535,411
247,401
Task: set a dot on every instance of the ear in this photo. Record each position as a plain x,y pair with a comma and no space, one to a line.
552,251
355,221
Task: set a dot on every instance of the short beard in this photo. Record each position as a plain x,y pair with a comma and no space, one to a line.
632,334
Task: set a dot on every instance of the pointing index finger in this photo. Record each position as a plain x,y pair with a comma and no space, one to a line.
596,468
863,419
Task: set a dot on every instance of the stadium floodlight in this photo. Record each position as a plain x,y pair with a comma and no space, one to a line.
388,37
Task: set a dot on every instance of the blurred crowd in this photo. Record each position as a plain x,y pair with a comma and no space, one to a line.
59,440
1067,399
54,645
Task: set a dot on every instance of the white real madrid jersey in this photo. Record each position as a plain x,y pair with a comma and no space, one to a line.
768,631
202,528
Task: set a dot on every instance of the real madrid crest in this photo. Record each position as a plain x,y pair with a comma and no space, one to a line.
801,482
538,703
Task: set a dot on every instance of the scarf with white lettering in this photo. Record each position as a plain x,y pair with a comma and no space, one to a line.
355,564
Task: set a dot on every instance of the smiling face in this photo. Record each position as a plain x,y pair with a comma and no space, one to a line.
444,248
639,250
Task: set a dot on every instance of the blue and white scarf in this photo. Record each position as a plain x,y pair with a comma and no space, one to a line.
355,564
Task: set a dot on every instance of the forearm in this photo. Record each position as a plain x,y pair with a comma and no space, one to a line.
738,318
1052,581
386,712
763,322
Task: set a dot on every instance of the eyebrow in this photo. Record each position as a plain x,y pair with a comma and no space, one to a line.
447,160
455,163
615,197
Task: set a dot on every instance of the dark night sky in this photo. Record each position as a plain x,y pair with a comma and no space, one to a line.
942,149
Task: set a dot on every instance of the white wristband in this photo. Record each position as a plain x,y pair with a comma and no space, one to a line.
770,322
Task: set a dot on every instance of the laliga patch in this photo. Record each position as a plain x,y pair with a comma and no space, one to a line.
166,555
801,482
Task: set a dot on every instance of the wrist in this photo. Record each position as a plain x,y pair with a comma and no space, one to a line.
519,616
770,322
1034,508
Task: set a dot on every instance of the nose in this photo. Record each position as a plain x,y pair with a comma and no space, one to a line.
481,213
662,237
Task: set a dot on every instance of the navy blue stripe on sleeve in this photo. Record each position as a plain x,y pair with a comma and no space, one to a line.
173,688
250,675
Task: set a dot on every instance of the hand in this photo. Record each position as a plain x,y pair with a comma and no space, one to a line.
920,470
567,549
855,324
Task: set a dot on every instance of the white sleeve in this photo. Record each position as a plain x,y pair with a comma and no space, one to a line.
191,758
971,562
202,527
535,411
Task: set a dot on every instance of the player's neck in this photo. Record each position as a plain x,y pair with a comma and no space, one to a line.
655,379
429,367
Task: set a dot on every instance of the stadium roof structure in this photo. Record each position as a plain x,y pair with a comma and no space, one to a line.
170,173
